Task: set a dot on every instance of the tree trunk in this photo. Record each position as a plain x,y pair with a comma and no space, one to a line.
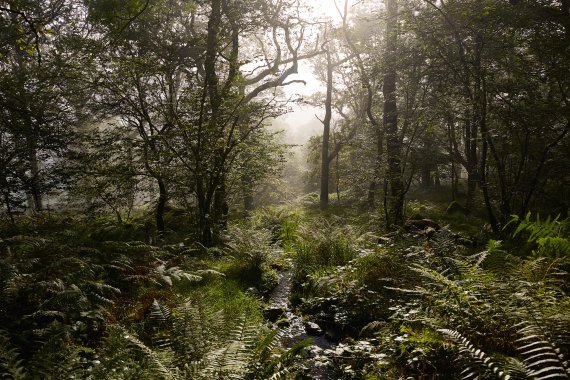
481,108
451,137
337,176
471,155
35,187
204,220
393,144
220,209
160,206
325,162
426,176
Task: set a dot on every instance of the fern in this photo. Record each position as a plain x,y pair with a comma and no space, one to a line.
540,355
515,311
550,235
11,366
198,342
56,358
480,363
159,313
169,275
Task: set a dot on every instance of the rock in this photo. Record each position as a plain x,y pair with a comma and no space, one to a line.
333,333
456,208
314,351
313,329
283,322
430,232
273,312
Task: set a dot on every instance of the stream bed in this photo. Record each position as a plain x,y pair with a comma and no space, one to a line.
296,329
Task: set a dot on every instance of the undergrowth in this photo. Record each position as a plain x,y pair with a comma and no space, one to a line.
94,301
81,300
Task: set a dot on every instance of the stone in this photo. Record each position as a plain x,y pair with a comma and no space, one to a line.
430,232
283,322
273,312
313,329
253,291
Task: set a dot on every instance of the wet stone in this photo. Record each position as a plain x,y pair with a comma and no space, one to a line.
313,329
283,322
273,312
332,333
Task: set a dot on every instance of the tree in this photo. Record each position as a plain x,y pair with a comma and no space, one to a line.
487,74
179,77
41,103
150,67
395,210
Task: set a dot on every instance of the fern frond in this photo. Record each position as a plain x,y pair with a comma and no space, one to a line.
158,312
480,360
542,359
160,363
11,366
167,275
550,235
55,358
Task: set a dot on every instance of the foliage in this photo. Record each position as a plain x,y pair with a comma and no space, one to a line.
505,320
252,256
320,247
550,236
72,306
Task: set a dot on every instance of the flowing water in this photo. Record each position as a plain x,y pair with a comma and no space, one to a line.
296,331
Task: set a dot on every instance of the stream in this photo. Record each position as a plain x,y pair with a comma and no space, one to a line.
296,330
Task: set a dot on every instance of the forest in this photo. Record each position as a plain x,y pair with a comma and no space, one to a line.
284,189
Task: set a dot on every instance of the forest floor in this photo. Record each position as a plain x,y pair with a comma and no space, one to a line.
292,292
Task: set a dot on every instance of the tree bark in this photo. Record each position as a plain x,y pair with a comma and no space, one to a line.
393,143
35,185
161,206
471,159
325,162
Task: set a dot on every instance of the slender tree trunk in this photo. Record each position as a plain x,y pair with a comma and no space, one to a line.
204,219
393,143
337,176
471,155
161,206
220,209
436,178
482,121
35,186
450,136
426,176
325,162
119,217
